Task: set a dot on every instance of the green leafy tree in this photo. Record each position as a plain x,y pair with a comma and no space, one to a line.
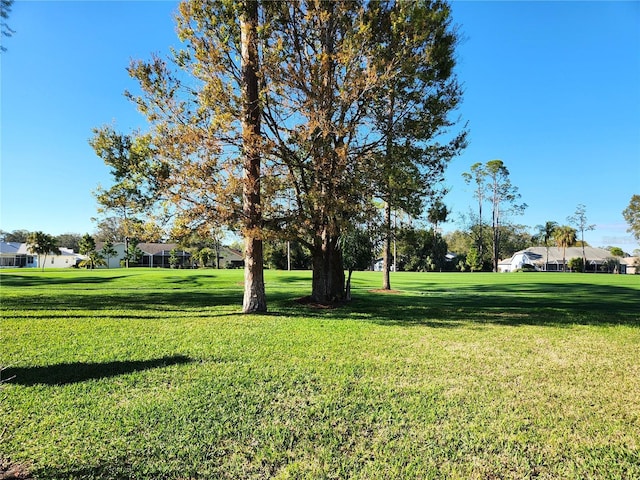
421,250
108,251
477,176
502,195
514,238
473,260
411,107
129,202
616,251
318,73
438,213
494,185
94,259
281,254
357,253
612,265
205,256
576,264
69,240
459,242
133,255
174,259
41,244
198,237
564,236
86,245
579,220
18,236
631,215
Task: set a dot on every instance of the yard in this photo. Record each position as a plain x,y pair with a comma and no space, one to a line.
152,374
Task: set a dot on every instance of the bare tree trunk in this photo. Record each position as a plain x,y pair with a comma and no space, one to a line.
328,284
386,249
254,293
496,237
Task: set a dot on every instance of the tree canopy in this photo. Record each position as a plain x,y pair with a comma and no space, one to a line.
129,203
323,144
42,244
631,215
493,185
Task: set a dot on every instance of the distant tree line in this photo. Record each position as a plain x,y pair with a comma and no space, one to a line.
416,246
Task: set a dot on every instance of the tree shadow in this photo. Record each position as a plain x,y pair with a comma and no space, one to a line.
518,304
426,303
160,301
18,280
68,373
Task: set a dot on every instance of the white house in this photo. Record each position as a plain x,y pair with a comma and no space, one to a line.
17,255
551,259
113,261
633,264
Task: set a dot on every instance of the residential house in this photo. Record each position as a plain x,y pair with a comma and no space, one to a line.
599,260
157,255
17,255
112,261
632,265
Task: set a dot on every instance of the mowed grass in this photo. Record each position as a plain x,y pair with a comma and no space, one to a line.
151,374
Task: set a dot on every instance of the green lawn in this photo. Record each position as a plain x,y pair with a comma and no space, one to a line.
153,374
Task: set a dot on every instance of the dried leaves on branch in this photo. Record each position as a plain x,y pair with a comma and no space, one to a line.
354,101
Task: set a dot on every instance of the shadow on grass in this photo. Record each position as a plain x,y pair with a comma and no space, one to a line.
518,304
160,301
67,373
17,280
429,304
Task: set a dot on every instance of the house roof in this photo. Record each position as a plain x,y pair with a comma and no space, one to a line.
15,248
157,248
231,254
538,255
9,248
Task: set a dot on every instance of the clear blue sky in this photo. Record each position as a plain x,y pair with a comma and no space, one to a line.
551,88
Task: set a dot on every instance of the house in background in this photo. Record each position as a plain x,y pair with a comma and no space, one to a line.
598,260
114,260
231,258
16,255
633,265
157,255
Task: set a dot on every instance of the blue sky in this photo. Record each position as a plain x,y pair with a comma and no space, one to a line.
551,88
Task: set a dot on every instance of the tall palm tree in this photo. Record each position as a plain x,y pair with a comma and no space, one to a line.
564,236
545,235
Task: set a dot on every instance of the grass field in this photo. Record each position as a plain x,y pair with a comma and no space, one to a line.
151,374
